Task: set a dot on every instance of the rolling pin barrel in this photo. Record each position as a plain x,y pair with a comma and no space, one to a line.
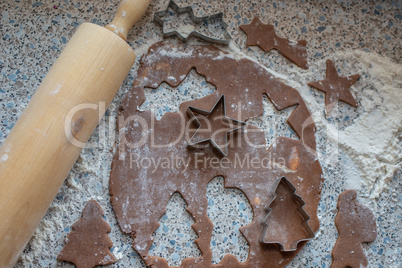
61,116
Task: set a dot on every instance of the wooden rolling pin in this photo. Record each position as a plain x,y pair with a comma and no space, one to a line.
40,151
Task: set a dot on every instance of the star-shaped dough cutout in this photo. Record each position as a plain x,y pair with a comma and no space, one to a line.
336,88
264,36
213,126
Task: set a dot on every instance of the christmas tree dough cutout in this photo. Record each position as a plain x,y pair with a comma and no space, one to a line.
286,223
356,225
264,36
88,244
336,88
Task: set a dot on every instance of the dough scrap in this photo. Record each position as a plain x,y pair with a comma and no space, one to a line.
356,225
264,36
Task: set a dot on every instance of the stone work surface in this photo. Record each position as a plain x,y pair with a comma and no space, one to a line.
358,148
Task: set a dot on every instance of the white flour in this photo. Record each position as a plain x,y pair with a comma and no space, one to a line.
371,142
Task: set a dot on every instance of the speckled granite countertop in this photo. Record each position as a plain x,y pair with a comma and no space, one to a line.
360,36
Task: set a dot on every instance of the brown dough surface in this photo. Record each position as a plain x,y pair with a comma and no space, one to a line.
88,244
356,225
264,36
336,88
139,195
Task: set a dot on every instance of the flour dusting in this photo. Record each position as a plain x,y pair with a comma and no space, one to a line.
372,141
369,147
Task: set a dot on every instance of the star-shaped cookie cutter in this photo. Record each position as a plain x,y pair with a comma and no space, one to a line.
192,111
205,19
299,200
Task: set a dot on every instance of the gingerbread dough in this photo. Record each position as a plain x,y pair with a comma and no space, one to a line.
88,244
356,225
264,36
336,88
140,192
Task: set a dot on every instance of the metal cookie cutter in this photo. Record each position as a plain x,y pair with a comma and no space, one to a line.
302,212
234,125
205,20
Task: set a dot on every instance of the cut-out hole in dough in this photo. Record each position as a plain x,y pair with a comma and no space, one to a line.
168,99
174,238
228,209
273,122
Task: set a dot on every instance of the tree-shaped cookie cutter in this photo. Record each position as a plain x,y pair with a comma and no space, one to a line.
191,111
300,209
205,19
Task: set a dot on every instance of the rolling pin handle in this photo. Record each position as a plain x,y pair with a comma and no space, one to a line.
128,13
